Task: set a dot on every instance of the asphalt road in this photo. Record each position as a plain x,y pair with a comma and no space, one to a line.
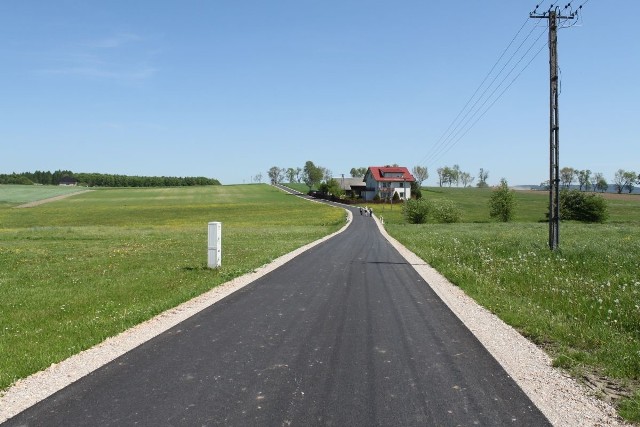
346,334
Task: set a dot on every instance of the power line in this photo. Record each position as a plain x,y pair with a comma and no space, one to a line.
486,110
459,125
478,88
496,100
479,105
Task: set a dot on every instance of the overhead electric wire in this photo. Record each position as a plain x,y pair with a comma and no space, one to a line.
442,141
469,115
478,88
464,121
496,100
491,83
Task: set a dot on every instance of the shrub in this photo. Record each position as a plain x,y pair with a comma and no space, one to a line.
376,198
502,202
416,192
416,211
579,206
445,211
396,197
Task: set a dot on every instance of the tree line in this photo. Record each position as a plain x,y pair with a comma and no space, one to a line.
102,180
312,175
449,175
586,180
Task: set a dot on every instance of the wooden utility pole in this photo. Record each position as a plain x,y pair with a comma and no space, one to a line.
554,136
553,16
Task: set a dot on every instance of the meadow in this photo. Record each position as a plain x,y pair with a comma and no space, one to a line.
76,271
10,195
580,303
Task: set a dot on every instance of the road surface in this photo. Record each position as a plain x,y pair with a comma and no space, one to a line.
345,334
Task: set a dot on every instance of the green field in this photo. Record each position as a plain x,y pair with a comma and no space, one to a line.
10,195
76,271
532,206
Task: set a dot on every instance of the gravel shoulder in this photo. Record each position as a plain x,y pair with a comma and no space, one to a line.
562,400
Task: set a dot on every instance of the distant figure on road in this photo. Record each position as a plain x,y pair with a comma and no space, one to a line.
360,211
370,211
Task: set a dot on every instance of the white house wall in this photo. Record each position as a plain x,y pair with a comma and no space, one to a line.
397,186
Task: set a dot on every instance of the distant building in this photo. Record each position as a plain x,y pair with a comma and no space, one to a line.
68,181
385,181
352,187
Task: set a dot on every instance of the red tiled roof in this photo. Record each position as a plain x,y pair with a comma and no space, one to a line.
378,173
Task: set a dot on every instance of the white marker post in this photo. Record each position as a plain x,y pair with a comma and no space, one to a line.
214,259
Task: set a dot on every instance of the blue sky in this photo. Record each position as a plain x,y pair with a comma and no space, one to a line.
227,89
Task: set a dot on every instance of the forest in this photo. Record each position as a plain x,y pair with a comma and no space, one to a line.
66,177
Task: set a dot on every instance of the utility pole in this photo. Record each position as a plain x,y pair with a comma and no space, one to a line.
553,15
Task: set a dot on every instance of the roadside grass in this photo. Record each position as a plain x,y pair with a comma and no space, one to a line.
580,303
77,271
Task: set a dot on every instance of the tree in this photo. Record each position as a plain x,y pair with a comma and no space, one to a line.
257,177
335,189
448,175
420,173
630,180
275,174
502,202
291,174
618,180
440,176
482,178
600,183
331,188
312,174
455,175
567,176
358,172
466,179
584,179
327,174
624,180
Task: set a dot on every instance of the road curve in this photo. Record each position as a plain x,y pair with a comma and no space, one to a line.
346,333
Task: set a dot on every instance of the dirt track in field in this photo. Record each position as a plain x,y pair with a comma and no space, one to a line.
50,199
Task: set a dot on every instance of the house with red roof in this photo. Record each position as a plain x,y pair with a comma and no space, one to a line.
385,181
